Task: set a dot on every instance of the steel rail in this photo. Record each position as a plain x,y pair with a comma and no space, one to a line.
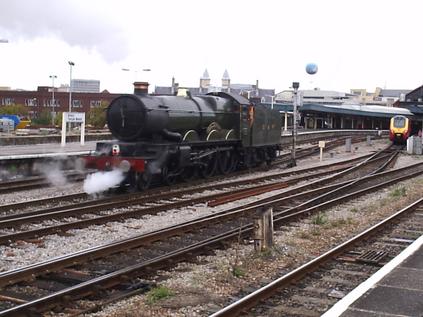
35,233
114,278
249,301
17,275
156,193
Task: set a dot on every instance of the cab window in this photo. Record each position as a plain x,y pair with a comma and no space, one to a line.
399,122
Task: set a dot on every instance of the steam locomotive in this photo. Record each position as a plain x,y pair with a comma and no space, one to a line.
173,137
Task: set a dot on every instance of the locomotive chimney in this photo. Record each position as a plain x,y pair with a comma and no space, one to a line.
141,87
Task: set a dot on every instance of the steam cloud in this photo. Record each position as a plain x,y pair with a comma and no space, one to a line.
102,181
52,172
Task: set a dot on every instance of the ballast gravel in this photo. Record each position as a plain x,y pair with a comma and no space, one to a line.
213,281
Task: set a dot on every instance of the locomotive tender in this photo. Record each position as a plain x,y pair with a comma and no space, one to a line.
179,137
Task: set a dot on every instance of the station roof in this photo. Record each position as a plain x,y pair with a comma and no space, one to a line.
351,109
358,110
416,109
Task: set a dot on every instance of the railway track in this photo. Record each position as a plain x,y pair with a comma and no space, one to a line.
38,181
72,176
10,224
75,199
96,270
312,288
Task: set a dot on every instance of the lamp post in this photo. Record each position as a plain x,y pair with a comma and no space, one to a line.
136,71
272,102
70,84
295,85
53,101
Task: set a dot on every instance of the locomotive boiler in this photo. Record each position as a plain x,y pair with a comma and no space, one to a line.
180,137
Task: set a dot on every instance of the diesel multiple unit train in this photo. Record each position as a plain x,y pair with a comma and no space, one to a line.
401,127
166,138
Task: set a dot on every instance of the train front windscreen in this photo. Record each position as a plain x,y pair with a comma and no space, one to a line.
399,122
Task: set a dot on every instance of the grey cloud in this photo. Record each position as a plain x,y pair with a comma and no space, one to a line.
79,23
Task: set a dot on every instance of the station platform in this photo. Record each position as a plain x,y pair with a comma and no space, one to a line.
395,290
13,152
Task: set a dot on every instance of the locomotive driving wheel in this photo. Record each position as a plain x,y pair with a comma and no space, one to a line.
207,166
143,181
168,176
225,162
188,173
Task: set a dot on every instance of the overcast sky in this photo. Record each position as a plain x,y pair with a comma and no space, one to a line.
355,43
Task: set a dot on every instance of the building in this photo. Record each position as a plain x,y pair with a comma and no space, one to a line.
85,85
317,96
413,101
250,91
42,99
381,97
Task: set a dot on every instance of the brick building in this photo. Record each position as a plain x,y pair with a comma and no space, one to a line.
42,99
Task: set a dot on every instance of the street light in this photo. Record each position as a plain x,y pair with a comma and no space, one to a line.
272,98
136,71
53,102
295,85
70,84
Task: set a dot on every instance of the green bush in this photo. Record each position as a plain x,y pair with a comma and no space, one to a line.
320,219
399,192
43,118
19,110
158,293
96,117
238,272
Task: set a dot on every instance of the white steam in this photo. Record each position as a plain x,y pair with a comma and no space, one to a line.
55,177
52,172
102,181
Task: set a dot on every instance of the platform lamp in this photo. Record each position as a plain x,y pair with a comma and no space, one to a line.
53,101
295,85
136,71
70,84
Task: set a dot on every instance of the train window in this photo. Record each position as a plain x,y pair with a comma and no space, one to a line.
399,122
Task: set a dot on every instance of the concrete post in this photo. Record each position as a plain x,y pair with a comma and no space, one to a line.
64,119
286,121
263,229
418,145
348,145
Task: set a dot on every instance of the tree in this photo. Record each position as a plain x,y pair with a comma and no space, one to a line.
43,118
17,109
58,119
96,117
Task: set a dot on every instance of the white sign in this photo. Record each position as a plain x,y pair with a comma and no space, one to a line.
322,144
78,117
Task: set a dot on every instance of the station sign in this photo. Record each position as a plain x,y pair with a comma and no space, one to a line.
73,117
78,117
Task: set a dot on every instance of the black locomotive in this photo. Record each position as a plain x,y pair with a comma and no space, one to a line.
180,137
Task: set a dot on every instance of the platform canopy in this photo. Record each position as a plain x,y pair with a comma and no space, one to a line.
349,109
357,110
